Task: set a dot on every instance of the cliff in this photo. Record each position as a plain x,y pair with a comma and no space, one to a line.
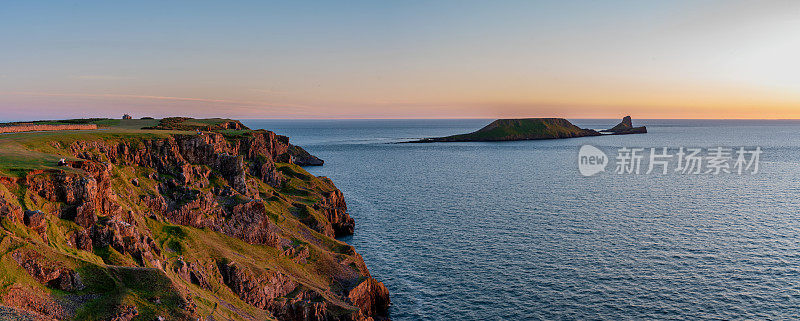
143,224
626,127
519,129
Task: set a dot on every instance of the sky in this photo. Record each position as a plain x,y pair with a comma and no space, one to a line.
400,59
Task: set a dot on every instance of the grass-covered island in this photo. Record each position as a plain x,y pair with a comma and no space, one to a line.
178,218
532,129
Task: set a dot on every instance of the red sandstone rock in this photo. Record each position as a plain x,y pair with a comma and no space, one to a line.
10,210
125,313
195,273
372,298
126,238
47,272
34,300
36,221
335,209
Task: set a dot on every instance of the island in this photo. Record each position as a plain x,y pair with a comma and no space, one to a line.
173,219
533,129
625,128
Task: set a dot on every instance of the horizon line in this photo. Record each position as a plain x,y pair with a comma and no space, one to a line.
479,118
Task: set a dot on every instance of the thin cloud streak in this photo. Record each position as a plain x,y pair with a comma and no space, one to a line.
102,77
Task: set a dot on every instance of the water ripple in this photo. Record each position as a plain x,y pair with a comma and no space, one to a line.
510,231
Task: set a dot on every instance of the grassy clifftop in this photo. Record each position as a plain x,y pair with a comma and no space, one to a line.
26,151
169,123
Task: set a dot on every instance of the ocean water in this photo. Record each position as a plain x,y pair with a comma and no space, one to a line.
512,231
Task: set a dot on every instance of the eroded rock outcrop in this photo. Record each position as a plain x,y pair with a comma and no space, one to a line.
36,221
125,313
335,209
303,158
83,196
48,272
36,301
259,288
372,298
195,273
125,238
10,210
176,153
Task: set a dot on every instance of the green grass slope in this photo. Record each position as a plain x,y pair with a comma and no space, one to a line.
520,129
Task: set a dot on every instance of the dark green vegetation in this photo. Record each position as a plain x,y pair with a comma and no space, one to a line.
519,129
534,128
148,223
185,123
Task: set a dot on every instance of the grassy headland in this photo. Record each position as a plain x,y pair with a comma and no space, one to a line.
519,129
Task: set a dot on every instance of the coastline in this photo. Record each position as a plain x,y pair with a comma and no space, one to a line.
223,220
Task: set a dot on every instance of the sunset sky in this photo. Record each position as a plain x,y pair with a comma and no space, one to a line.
400,59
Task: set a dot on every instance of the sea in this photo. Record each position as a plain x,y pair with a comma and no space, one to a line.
515,231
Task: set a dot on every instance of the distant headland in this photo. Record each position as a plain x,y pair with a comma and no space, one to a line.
534,129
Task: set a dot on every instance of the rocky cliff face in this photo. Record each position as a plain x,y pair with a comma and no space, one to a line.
227,223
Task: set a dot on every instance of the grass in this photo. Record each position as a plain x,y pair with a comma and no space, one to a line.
113,257
150,290
528,128
191,124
